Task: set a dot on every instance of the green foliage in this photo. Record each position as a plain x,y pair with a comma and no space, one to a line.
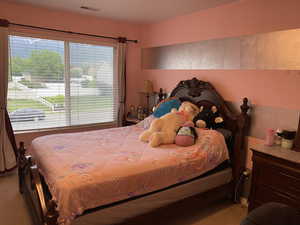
88,84
14,104
46,65
78,103
31,84
19,66
90,103
14,89
43,65
58,99
83,103
76,72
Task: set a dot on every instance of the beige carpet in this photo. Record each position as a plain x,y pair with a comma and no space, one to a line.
14,212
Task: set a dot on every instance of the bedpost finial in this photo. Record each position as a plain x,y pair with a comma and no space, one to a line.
21,145
52,213
244,106
22,150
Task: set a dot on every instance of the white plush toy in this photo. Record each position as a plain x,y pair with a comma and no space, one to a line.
163,130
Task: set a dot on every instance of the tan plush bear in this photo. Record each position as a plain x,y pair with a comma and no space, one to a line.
163,130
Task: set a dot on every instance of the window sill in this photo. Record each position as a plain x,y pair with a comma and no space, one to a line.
77,128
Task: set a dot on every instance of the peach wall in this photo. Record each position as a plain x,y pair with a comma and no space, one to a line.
242,17
36,16
268,88
264,87
278,88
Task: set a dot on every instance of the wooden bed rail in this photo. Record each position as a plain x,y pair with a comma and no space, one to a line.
43,209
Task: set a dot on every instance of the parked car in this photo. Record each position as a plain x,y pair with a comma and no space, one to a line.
27,114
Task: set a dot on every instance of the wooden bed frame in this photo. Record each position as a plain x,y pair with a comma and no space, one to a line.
38,198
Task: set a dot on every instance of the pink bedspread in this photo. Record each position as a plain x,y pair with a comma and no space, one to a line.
89,169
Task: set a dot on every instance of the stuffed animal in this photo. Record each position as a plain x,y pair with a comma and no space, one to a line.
186,135
163,130
209,118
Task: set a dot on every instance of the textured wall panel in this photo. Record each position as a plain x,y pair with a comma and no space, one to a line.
264,117
272,51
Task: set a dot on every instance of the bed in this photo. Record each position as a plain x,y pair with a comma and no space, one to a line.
65,177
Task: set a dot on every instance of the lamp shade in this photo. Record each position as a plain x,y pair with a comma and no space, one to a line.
148,86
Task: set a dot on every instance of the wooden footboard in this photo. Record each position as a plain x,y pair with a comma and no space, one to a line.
32,187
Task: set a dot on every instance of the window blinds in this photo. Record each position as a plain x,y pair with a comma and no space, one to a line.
55,83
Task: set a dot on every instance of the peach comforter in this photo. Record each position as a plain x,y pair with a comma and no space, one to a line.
89,169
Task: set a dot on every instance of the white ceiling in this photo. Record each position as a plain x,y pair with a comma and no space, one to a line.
137,11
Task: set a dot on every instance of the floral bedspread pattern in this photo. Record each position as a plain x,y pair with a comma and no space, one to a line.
88,169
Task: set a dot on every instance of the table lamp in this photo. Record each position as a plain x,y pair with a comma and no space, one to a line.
148,90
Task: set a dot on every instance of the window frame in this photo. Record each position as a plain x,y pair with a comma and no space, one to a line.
67,39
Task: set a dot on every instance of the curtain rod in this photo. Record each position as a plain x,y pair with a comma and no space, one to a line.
6,23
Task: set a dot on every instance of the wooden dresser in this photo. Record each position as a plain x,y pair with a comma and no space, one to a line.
276,177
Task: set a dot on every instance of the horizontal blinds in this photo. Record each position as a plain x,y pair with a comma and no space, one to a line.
92,88
58,83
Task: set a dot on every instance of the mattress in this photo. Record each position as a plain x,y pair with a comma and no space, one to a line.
89,169
121,212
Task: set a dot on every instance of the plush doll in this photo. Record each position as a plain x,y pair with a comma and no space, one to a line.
217,119
163,130
209,118
186,135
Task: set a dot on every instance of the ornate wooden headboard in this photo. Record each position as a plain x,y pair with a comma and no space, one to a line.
203,93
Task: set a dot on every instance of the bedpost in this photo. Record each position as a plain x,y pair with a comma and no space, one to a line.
31,186
47,207
22,162
52,214
240,153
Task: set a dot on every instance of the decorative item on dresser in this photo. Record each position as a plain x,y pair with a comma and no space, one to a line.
276,176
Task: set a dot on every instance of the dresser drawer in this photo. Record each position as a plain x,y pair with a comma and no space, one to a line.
264,195
278,177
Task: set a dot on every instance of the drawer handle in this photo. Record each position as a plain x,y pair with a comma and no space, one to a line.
294,189
289,176
281,195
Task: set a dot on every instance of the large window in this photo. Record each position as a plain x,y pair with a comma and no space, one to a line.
60,83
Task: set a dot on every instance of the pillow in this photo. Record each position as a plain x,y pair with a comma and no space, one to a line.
166,106
226,133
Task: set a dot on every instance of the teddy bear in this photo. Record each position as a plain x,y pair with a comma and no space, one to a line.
186,135
163,130
209,118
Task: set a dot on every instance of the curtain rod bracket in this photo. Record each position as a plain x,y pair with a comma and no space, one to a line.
4,23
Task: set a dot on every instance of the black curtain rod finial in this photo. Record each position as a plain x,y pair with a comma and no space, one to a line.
4,23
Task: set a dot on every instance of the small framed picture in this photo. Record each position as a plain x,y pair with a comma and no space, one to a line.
132,112
140,113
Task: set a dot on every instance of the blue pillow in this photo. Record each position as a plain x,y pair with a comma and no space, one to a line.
166,107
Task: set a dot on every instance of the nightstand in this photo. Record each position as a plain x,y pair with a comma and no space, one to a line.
276,177
131,121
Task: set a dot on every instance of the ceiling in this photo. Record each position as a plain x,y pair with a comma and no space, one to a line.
137,11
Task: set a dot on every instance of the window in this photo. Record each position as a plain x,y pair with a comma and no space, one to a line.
56,83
